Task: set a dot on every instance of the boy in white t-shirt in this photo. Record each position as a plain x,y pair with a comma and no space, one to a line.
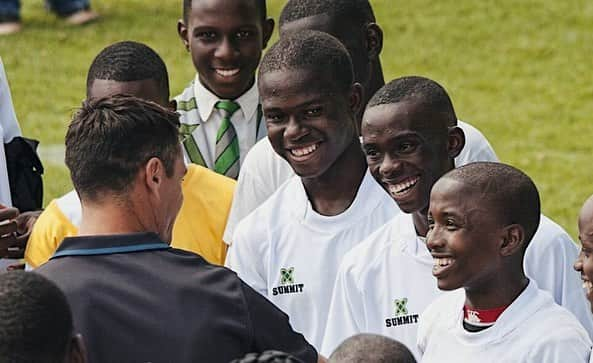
481,218
353,23
289,249
385,283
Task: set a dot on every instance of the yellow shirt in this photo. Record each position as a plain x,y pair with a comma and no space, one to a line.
199,226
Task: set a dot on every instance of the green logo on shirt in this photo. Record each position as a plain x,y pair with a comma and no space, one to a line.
402,315
287,284
400,306
286,276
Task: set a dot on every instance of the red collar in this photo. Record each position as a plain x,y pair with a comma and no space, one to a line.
479,317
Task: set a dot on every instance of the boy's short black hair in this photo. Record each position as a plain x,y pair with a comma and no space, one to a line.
261,5
510,192
355,12
110,139
129,61
270,356
371,348
419,89
35,319
311,50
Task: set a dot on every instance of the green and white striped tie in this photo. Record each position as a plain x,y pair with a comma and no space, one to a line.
227,145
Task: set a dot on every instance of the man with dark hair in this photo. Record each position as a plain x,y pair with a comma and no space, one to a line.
482,218
35,321
133,296
352,22
135,69
289,248
371,348
385,283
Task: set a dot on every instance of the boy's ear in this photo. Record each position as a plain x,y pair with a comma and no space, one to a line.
267,30
182,31
172,105
355,99
513,240
374,40
456,141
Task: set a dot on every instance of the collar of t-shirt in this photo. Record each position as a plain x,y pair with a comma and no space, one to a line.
524,307
367,197
404,234
206,100
110,244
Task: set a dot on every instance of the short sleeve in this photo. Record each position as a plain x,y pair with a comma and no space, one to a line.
49,231
271,329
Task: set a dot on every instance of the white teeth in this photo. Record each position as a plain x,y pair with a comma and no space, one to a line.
403,186
227,72
441,262
304,150
587,285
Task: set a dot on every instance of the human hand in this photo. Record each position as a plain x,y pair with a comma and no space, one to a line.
25,222
8,229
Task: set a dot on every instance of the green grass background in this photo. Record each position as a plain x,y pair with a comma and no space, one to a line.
518,70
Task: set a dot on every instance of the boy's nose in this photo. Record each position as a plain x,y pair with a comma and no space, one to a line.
226,50
389,166
578,263
294,130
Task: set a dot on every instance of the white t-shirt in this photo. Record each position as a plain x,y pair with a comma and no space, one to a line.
533,329
290,253
393,264
263,172
9,128
383,286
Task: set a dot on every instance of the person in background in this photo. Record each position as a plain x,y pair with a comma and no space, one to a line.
74,12
371,348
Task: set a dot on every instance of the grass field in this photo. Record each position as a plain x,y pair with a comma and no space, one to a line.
518,70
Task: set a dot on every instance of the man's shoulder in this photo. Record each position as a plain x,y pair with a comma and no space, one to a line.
549,234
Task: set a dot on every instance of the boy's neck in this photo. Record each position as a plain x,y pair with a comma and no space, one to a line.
501,291
333,192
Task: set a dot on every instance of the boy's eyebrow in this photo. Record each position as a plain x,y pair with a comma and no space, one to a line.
300,105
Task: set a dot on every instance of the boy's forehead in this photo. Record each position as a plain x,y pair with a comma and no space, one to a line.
406,115
287,82
224,9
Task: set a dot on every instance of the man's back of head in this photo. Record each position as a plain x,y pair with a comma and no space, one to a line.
35,321
371,348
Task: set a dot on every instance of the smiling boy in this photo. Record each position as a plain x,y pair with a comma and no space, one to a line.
481,219
385,283
289,249
220,112
353,23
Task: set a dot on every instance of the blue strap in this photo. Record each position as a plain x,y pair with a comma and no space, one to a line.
112,250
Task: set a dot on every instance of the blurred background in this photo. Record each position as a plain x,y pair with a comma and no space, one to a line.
520,71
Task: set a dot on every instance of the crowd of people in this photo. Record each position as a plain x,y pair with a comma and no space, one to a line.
290,207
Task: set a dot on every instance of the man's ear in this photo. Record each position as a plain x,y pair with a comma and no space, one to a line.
154,172
182,31
513,240
356,96
456,141
374,40
77,353
267,30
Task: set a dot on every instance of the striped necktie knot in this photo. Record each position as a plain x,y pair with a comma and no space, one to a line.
227,145
228,106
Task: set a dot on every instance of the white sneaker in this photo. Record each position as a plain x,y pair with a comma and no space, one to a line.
10,27
81,17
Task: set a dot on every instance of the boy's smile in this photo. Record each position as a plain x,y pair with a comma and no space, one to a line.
226,38
406,150
463,237
308,124
584,262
